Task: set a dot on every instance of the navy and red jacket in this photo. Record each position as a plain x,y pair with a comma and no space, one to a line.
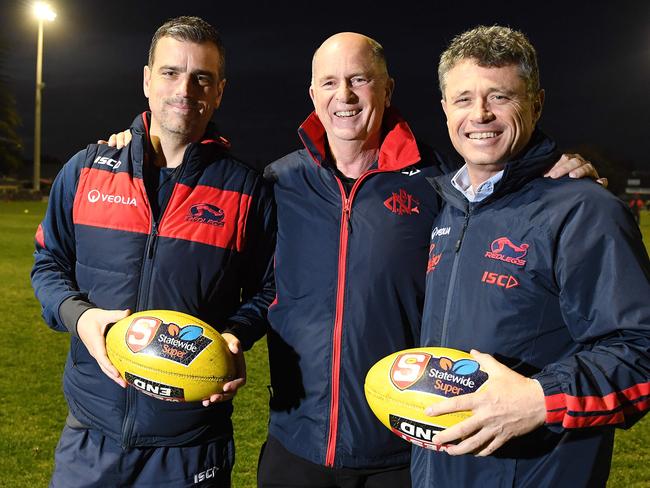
350,283
552,278
209,254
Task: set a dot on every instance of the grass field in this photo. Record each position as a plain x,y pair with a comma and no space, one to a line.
34,410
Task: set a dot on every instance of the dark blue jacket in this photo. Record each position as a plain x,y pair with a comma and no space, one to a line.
551,277
350,284
98,243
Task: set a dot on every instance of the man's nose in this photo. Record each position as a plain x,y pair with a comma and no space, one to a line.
344,93
481,111
184,86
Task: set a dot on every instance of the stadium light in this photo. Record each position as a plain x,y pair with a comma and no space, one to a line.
43,12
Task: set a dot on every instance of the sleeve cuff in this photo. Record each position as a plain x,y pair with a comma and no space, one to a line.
554,398
239,331
70,310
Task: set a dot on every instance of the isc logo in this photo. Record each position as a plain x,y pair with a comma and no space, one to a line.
104,161
206,475
504,281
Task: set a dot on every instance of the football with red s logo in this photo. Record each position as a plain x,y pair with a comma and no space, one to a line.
400,386
170,355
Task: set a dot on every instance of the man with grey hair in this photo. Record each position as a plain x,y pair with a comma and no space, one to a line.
528,272
120,235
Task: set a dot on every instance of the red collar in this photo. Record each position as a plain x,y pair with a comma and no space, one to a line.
398,149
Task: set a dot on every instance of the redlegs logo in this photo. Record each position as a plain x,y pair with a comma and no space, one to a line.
206,213
503,249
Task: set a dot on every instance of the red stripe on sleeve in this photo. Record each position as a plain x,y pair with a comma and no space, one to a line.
111,201
571,422
608,402
208,215
554,402
40,236
555,416
555,413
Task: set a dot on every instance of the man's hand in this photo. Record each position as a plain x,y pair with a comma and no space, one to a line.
230,388
91,328
118,140
576,167
511,405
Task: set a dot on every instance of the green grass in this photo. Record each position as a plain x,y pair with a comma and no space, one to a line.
33,409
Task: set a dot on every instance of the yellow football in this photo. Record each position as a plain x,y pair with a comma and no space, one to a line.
400,386
170,355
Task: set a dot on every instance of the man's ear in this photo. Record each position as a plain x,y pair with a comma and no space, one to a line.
444,106
146,78
311,92
538,105
221,86
390,87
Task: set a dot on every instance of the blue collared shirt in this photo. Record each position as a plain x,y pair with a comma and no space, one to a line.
462,184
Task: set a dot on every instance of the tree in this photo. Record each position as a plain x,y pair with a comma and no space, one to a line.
10,142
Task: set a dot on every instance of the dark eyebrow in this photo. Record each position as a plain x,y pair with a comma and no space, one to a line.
203,72
198,72
168,66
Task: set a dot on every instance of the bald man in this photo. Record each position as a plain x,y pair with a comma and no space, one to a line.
355,213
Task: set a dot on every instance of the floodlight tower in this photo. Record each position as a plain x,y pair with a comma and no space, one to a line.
43,12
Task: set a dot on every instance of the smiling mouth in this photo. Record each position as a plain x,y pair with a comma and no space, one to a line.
347,113
180,106
483,135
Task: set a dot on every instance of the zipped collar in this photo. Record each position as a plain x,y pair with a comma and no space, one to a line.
195,154
398,148
538,156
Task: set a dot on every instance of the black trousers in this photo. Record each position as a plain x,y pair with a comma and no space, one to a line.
278,468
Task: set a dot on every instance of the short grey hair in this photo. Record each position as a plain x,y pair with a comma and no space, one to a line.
190,29
492,47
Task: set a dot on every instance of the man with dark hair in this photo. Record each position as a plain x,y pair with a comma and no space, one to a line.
549,279
119,236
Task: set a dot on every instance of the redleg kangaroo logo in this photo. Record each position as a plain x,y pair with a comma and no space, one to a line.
503,249
206,213
402,203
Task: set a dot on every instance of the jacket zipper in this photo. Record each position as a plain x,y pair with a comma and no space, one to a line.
141,301
452,279
346,228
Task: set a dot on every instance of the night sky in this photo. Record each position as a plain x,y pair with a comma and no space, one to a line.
594,61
